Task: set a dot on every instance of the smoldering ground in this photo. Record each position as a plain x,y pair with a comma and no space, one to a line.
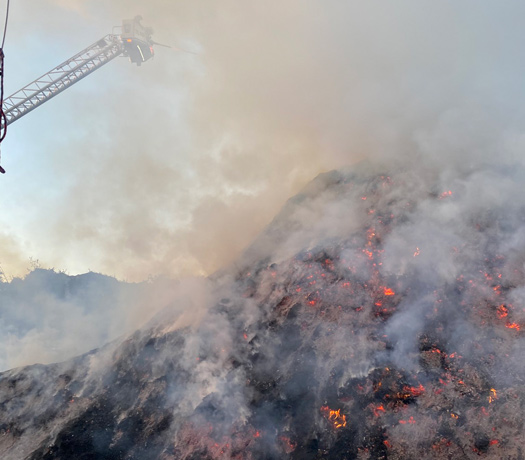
405,326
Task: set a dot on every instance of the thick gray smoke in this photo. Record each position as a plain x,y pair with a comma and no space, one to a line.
393,299
192,156
50,317
175,167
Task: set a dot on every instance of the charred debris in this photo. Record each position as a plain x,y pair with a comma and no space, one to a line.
378,317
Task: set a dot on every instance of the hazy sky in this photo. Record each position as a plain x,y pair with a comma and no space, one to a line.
172,168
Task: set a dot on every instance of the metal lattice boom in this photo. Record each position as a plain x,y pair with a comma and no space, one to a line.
62,77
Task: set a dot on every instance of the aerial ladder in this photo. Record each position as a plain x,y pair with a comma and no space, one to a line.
134,42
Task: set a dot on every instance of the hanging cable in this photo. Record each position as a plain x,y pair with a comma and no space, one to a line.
5,25
3,117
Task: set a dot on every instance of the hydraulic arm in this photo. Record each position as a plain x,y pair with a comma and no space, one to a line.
134,41
62,77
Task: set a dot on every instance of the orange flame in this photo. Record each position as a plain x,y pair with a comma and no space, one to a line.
334,416
388,291
502,311
415,391
493,395
410,420
513,326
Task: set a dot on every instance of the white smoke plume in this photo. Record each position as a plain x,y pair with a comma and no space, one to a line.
50,317
174,167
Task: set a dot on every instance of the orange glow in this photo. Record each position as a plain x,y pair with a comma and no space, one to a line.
410,392
379,409
387,444
288,445
129,40
513,326
493,395
388,291
417,252
415,391
410,420
334,416
446,194
454,416
502,311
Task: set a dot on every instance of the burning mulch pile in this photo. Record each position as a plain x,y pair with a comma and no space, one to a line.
384,342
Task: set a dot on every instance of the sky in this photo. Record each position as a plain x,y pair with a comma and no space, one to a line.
172,168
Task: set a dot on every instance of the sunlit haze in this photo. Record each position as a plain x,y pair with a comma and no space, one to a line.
172,168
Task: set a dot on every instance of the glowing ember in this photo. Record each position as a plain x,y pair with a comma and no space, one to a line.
493,395
502,311
288,445
388,291
417,252
378,410
411,421
513,326
415,391
446,194
338,420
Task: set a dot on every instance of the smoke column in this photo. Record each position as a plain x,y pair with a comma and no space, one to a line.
158,156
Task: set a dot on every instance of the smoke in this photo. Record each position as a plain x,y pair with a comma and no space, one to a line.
174,167
49,317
